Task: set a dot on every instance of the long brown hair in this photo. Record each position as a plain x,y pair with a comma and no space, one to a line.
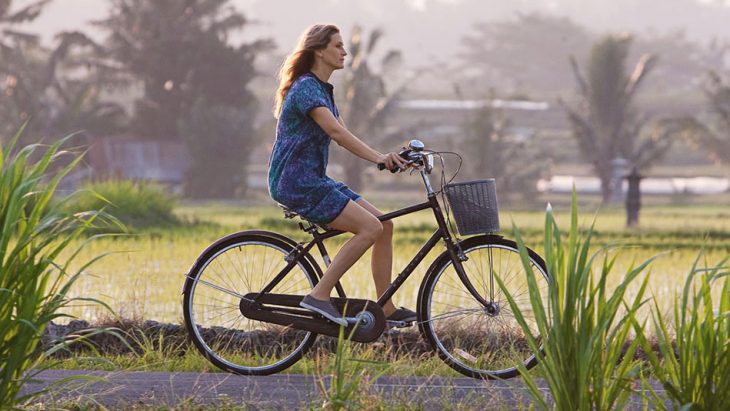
316,37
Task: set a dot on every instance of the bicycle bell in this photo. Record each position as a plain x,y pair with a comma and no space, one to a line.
416,145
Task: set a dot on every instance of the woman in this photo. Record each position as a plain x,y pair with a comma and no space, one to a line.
307,120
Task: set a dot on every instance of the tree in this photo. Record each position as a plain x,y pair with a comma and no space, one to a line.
527,53
179,51
684,62
491,152
53,87
367,101
716,135
606,125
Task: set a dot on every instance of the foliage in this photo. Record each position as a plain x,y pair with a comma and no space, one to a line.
520,54
348,380
696,356
581,324
34,282
715,135
368,102
684,62
191,75
220,138
134,203
491,152
606,125
46,85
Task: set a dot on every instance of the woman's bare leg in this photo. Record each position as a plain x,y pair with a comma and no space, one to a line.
367,229
382,258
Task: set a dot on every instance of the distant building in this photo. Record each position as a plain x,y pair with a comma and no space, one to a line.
128,157
438,119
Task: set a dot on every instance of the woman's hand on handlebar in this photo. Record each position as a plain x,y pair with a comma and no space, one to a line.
393,161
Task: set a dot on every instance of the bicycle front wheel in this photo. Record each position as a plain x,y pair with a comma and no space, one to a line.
480,337
222,275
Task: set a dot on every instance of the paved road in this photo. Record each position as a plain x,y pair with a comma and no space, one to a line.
118,390
121,390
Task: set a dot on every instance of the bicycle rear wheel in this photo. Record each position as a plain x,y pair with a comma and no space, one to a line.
481,340
222,275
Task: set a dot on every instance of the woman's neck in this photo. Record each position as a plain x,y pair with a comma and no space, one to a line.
322,72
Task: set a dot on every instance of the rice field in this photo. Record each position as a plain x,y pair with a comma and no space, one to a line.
144,274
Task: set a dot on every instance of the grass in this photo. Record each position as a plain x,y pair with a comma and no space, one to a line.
582,326
144,282
696,348
35,280
145,279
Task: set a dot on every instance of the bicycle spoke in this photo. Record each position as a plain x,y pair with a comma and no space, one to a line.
475,339
225,336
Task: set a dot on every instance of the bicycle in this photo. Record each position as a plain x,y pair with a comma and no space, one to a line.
241,296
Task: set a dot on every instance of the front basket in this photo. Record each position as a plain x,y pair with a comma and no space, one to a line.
474,205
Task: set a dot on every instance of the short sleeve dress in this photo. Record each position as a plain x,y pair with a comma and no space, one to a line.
298,162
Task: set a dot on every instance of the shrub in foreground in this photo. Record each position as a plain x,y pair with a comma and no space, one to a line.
34,281
695,370
584,325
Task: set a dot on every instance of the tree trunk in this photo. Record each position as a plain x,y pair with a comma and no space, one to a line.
633,199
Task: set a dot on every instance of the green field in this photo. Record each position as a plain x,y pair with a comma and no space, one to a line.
143,276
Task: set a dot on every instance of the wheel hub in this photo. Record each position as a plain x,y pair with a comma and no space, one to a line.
492,309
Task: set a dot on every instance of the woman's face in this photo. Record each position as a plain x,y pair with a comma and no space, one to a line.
334,54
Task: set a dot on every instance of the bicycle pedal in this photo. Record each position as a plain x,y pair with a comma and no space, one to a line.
399,324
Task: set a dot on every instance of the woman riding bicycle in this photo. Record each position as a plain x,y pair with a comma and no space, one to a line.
307,120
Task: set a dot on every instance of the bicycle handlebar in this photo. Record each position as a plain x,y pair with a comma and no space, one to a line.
405,155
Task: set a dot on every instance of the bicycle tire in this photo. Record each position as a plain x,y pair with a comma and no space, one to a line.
234,266
477,340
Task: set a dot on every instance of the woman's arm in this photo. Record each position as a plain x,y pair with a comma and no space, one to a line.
342,136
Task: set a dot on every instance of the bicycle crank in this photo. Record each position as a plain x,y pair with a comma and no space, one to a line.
364,317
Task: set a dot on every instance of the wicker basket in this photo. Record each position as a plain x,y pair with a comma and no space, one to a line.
474,205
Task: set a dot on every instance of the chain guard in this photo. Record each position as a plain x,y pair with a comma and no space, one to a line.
365,317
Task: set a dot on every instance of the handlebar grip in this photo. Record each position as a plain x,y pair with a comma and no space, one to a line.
381,166
403,154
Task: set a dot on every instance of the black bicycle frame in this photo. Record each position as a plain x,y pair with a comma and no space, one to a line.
441,233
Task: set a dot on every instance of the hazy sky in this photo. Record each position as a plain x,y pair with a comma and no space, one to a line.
430,30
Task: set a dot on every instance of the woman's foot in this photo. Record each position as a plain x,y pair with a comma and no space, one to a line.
402,314
324,308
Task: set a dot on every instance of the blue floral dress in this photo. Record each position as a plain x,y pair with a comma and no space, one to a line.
298,162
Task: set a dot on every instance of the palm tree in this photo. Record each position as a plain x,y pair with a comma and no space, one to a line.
605,124
716,137
367,101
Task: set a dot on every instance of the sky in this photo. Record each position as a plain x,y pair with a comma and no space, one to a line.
430,30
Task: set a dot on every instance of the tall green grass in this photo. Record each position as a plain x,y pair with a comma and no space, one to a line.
695,370
34,282
583,324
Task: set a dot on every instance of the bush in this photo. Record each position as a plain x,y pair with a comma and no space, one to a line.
34,282
695,371
136,204
583,361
